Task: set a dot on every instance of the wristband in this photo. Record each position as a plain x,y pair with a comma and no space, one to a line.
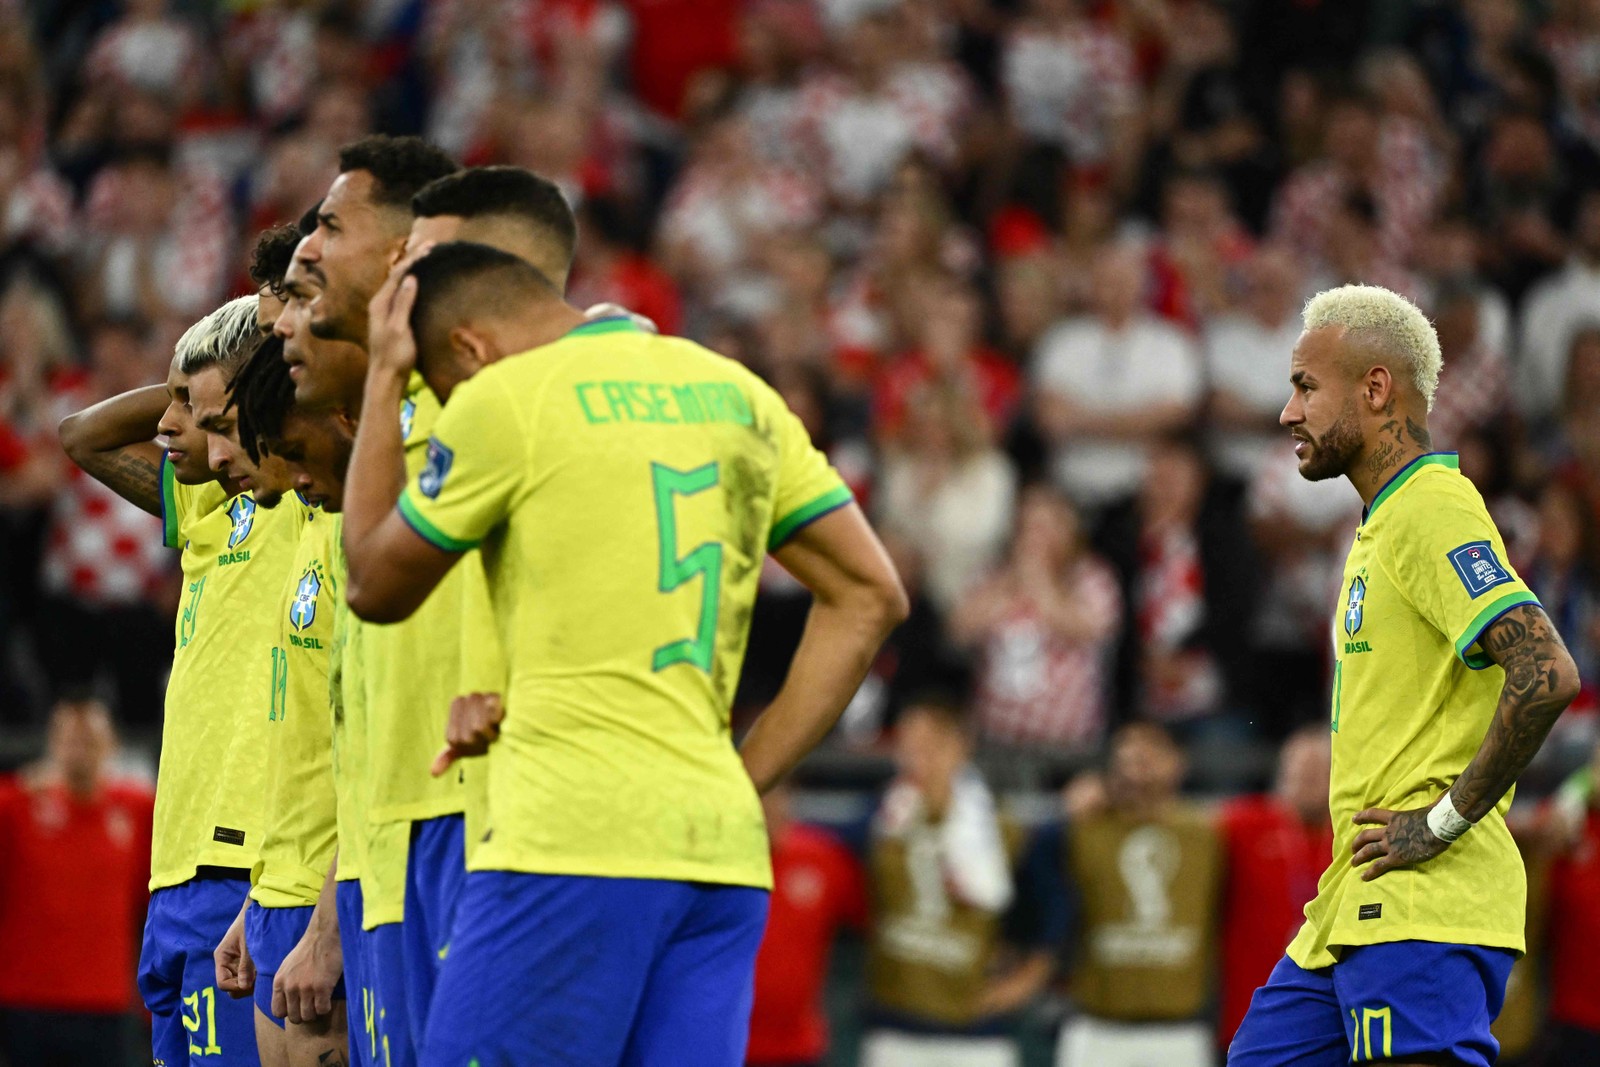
1446,822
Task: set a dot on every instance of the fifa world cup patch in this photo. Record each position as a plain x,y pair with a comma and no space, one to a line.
1369,911
1478,568
431,478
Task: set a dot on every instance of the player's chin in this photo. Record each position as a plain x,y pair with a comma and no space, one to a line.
268,498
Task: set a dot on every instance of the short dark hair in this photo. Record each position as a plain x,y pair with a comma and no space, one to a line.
512,191
269,262
400,166
263,392
942,703
308,221
463,272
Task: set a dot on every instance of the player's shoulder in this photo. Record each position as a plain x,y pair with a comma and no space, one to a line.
1431,492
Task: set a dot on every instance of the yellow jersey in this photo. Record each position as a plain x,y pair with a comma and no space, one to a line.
1413,695
301,812
211,778
625,488
347,749
409,673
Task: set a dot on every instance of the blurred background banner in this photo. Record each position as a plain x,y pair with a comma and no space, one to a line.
1030,272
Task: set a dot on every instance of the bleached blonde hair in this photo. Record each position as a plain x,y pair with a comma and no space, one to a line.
1389,323
224,338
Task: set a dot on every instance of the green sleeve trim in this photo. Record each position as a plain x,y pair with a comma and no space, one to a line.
169,503
427,530
1481,622
786,527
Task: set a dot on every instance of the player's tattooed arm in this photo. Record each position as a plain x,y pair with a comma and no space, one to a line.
113,442
1541,680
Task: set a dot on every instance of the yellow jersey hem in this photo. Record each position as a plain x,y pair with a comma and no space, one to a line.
417,810
1316,959
665,872
274,899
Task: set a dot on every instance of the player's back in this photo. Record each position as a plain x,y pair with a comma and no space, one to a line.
642,479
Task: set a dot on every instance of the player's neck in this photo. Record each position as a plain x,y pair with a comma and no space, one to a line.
546,322
1395,445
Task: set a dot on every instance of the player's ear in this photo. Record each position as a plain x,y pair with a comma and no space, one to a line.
1378,388
469,349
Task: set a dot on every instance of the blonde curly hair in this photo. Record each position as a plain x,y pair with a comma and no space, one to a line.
1388,322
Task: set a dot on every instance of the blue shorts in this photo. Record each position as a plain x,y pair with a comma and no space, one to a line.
191,1022
271,934
596,972
436,868
390,1026
1396,1000
360,1014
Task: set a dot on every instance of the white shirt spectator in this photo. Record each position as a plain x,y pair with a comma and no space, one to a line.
1553,312
959,519
1067,87
1250,361
1147,362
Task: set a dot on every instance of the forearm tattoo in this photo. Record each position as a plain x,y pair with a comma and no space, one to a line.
1526,645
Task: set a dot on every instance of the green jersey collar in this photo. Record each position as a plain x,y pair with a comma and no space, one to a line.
1403,475
609,324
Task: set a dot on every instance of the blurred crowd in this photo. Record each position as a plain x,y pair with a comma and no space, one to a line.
1030,270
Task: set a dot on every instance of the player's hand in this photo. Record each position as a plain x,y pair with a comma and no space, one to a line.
609,310
1399,839
302,991
236,971
474,726
390,345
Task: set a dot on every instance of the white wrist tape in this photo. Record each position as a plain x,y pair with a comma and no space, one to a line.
1446,822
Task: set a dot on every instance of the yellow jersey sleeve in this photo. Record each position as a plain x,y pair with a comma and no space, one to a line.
181,503
1449,562
807,486
475,470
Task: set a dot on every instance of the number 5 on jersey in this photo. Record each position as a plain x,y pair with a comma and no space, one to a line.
704,561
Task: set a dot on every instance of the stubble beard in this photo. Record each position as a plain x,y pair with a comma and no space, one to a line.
1335,452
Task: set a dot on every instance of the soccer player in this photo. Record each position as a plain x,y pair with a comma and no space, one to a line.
508,208
1447,673
299,833
207,816
339,944
269,262
415,858
631,486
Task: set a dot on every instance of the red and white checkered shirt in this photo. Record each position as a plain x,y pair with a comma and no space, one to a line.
192,255
1406,190
1067,87
1036,687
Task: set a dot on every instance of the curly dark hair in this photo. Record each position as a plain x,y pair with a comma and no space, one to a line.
269,262
400,166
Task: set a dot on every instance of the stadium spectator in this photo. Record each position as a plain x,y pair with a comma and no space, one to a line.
818,890
1574,922
1244,348
1478,388
948,489
1107,386
1181,555
106,579
1555,311
76,841
1147,870
1044,625
1277,845
1301,531
1562,571
939,872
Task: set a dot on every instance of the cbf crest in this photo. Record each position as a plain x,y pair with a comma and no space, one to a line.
1355,605
243,513
303,609
408,418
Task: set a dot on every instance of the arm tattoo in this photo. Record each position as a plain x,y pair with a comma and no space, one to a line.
1539,685
130,473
